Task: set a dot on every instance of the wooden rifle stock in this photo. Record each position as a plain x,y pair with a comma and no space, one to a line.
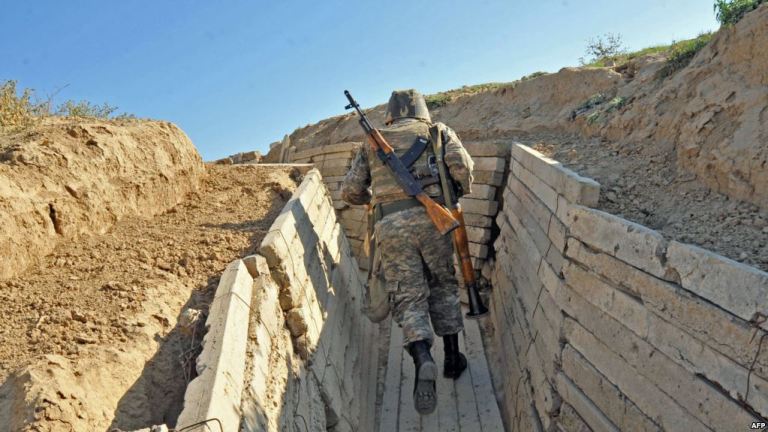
476,307
461,241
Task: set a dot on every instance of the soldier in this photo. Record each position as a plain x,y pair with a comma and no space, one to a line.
416,260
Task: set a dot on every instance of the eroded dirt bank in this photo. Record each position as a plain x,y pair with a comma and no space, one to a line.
94,333
65,177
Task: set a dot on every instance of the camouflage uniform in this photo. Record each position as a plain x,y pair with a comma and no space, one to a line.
416,260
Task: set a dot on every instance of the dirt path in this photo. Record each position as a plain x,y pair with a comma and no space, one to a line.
644,185
90,331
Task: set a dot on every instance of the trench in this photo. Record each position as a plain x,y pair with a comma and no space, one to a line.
589,327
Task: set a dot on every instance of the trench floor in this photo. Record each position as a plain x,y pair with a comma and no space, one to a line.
466,404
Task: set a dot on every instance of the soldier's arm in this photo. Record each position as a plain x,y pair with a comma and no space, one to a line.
355,188
457,158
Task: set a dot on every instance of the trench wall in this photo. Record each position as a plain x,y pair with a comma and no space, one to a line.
311,362
480,207
599,322
286,345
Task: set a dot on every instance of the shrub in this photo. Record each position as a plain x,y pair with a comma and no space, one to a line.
729,12
533,75
17,110
616,103
85,109
606,48
593,118
443,98
20,108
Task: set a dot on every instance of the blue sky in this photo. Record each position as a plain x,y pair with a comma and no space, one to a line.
238,75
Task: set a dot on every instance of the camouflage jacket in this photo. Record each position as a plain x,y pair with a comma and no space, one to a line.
356,187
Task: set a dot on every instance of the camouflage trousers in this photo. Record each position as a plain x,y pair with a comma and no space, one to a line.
420,276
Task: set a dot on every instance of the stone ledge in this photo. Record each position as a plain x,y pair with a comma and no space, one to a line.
477,206
630,242
737,288
575,188
218,388
479,149
543,191
705,321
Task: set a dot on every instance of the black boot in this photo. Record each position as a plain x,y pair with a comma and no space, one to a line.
424,390
455,362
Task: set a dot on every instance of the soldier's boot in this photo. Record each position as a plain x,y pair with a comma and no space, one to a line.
455,362
424,389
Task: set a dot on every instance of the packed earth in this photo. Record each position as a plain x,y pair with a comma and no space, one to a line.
117,296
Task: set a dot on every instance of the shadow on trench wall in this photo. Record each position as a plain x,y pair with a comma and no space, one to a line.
312,355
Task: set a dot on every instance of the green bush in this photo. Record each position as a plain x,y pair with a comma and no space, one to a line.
729,12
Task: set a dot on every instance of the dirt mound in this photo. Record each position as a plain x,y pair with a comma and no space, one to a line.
96,336
63,178
684,153
714,112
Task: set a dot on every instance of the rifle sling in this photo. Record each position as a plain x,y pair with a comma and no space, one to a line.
409,157
445,180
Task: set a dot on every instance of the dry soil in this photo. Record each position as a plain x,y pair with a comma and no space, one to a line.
103,331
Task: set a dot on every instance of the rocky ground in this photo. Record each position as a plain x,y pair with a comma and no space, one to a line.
103,331
645,185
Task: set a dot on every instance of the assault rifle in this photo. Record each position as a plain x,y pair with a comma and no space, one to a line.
440,216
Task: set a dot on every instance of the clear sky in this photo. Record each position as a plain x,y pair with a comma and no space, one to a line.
238,75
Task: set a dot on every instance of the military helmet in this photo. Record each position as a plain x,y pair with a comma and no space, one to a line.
407,104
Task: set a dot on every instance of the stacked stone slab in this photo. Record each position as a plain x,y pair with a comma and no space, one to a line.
602,323
307,324
249,157
334,161
480,206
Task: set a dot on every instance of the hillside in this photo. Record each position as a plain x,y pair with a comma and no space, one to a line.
684,153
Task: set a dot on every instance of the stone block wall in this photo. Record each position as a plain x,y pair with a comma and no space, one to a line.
333,162
600,323
311,366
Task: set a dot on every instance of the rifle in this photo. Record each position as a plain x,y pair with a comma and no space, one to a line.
460,240
440,216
